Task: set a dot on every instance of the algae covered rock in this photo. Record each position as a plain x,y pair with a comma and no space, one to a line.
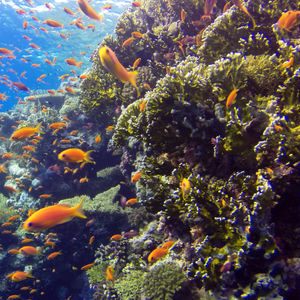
101,203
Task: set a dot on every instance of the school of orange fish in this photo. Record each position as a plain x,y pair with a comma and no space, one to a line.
50,216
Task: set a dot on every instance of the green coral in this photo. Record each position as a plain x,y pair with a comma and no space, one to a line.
5,211
103,202
163,281
97,273
130,285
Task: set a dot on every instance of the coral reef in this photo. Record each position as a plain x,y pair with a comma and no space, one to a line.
214,138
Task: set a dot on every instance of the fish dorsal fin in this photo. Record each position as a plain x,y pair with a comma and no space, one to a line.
63,205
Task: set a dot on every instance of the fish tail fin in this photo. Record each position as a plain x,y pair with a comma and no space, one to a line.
253,22
132,80
88,158
38,128
79,64
77,210
30,275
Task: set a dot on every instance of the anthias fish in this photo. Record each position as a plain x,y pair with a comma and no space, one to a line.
53,215
111,63
74,155
25,132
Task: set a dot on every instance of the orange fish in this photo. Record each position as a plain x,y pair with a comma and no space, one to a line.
69,11
143,105
50,243
136,63
108,128
44,29
8,155
231,97
136,4
98,139
13,251
72,62
29,250
92,26
65,141
287,64
106,6
91,240
10,188
58,125
25,24
82,180
13,297
69,90
26,240
136,177
89,11
32,45
182,15
83,76
20,276
29,148
50,62
128,42
53,255
27,37
289,20
13,218
111,63
157,254
19,85
116,237
51,92
6,224
45,196
50,216
136,34
131,201
53,23
74,132
76,155
5,51
2,167
87,266
25,132
109,273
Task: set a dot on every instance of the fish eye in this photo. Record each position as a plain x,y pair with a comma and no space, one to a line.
29,224
107,51
63,155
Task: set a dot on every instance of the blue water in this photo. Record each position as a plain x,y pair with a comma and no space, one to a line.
11,37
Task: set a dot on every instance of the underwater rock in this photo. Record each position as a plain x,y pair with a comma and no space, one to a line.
44,98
